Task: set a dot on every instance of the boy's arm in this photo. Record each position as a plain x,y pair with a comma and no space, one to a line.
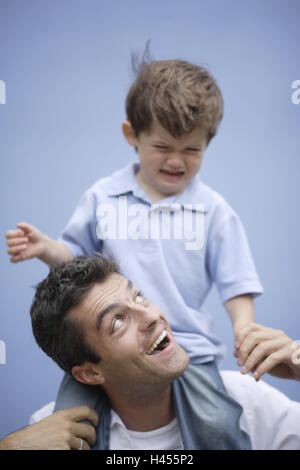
241,312
28,242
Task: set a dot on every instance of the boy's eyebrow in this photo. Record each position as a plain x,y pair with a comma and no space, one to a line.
159,140
110,308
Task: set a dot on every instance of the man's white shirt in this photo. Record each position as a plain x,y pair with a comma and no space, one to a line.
271,419
121,438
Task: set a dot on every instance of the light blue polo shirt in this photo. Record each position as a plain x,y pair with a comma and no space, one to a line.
173,250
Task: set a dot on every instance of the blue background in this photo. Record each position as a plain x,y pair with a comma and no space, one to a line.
66,65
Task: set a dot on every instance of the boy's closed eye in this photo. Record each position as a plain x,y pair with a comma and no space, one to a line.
161,147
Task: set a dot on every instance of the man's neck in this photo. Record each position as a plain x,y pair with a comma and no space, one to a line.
145,413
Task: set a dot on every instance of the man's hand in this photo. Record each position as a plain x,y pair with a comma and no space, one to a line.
261,349
59,431
28,242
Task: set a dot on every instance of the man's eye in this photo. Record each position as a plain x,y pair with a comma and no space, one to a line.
118,322
139,297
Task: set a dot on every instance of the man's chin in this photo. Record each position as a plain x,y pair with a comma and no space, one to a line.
182,361
186,362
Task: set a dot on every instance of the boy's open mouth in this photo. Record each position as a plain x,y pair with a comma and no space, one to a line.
172,175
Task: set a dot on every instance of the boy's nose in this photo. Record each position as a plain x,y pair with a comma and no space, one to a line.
174,161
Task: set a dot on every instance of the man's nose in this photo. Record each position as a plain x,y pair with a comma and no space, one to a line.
147,317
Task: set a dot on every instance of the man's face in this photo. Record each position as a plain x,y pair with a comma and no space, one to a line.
132,337
168,164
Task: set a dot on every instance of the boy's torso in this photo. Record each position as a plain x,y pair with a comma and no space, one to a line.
173,250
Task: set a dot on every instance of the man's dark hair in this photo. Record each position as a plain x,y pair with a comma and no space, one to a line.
56,332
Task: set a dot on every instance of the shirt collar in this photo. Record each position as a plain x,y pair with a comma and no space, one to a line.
116,420
124,182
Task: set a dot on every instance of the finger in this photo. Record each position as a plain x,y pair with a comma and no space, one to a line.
261,351
25,226
236,353
14,233
80,413
15,250
85,431
22,255
250,342
17,241
76,444
16,259
24,251
269,363
243,333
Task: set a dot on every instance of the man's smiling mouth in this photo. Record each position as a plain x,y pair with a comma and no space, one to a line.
159,344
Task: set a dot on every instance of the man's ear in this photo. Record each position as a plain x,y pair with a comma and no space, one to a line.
129,133
88,373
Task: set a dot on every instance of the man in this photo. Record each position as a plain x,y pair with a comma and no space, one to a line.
106,333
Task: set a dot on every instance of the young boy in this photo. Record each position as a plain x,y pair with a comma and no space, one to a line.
173,110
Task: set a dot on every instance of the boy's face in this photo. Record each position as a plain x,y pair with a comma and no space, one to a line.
167,164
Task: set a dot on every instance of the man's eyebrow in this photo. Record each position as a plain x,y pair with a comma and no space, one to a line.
110,308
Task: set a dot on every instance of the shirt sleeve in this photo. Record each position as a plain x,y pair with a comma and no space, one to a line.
271,419
80,233
230,260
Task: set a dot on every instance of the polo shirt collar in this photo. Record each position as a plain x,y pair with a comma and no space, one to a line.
125,182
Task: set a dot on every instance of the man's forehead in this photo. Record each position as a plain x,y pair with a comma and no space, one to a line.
102,294
112,288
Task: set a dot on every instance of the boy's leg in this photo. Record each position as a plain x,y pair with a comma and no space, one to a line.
208,417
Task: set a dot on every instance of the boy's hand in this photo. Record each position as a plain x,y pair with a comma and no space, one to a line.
27,242
261,350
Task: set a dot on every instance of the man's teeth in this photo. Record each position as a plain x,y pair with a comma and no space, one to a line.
156,343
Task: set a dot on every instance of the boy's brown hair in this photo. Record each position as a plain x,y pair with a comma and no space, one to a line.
179,95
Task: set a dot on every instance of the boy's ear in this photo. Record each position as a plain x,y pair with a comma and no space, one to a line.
88,373
129,133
